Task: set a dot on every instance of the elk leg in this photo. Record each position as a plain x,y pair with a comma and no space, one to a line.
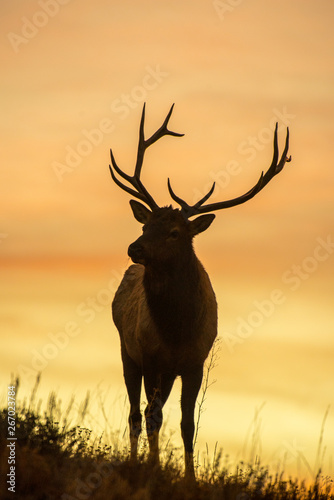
133,377
167,382
191,383
153,412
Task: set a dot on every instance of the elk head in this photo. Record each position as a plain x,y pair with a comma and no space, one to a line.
168,231
167,235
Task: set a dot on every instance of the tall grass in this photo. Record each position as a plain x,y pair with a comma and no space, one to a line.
57,458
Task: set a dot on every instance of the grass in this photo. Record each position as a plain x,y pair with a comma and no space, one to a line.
55,459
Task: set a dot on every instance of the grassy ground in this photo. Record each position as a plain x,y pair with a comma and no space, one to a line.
57,460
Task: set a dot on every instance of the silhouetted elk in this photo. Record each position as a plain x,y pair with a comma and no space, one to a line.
165,309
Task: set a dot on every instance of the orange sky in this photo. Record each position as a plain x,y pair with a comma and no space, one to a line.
74,79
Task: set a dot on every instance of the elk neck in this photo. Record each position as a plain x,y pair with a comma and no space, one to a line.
173,295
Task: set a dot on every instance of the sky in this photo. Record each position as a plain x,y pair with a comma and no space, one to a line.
74,80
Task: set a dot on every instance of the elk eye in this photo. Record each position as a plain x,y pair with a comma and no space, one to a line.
174,234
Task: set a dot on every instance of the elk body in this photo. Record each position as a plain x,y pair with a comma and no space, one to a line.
165,309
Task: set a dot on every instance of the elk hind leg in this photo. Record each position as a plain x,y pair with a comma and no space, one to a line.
133,378
191,384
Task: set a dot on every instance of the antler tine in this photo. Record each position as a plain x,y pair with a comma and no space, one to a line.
275,167
134,193
200,202
144,144
188,210
141,145
140,191
265,178
176,198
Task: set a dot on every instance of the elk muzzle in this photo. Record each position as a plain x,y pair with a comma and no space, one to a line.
136,252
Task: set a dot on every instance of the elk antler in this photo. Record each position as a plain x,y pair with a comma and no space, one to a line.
274,169
140,191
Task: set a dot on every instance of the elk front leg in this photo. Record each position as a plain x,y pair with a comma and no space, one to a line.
191,383
153,412
133,377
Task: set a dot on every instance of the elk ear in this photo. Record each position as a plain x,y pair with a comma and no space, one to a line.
140,212
201,224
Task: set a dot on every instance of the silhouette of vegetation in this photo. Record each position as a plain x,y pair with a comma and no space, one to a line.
58,460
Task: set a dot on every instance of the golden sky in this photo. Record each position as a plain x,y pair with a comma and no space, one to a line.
74,80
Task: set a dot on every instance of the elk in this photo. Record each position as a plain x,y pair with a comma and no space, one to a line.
165,308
